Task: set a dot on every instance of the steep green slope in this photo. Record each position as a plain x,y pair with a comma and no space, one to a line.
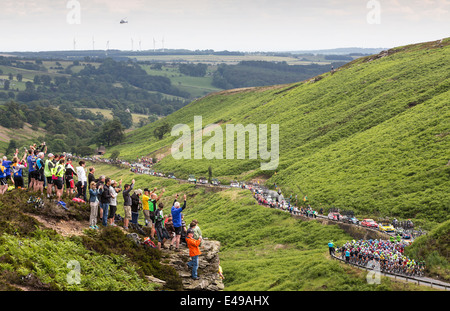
434,248
262,249
35,257
372,137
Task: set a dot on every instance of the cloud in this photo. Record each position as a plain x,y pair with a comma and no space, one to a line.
415,11
221,24
117,6
21,8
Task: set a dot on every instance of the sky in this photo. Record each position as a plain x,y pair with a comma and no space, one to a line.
233,25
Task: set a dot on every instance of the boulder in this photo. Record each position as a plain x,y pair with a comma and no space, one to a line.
208,266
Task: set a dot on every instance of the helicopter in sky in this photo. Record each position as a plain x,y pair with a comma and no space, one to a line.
124,21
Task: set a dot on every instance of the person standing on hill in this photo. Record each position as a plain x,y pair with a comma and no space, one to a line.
7,165
135,202
146,208
70,184
197,231
40,178
31,161
152,208
149,200
105,197
161,232
100,182
48,167
220,272
81,174
91,177
3,178
176,218
168,224
93,202
17,171
58,180
127,202
194,252
331,248
114,189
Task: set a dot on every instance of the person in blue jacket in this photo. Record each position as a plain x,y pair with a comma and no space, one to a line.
7,165
331,247
3,178
176,218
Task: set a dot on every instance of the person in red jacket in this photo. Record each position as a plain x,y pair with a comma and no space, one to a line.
194,252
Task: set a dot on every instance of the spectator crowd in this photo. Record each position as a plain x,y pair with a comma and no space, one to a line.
51,176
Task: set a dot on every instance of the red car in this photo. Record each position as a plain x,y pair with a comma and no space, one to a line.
369,223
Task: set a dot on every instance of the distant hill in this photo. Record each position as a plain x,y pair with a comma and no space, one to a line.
145,82
372,137
119,54
341,51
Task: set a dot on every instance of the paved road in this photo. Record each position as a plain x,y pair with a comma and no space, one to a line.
425,281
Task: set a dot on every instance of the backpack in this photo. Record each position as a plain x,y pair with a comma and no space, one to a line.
37,202
149,243
56,171
105,196
117,217
78,200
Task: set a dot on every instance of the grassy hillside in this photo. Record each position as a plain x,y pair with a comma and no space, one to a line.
435,249
262,249
35,257
372,137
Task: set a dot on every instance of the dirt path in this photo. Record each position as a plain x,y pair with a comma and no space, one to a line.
63,227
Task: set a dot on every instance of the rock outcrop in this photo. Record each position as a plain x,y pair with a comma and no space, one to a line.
207,270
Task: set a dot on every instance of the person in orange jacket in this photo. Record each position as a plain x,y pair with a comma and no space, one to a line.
194,252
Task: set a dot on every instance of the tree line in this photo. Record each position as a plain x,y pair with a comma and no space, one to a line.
61,130
262,73
113,85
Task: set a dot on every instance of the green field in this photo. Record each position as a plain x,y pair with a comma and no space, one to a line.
108,114
230,59
196,86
